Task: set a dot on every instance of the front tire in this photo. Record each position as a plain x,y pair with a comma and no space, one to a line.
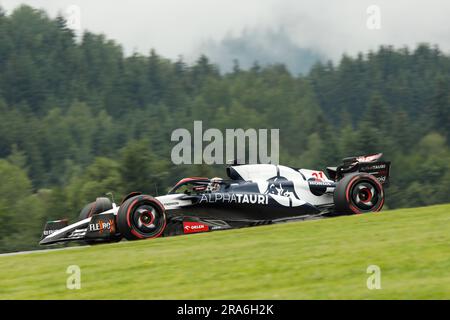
358,193
141,217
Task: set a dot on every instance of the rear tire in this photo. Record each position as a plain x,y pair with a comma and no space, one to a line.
141,217
358,193
98,206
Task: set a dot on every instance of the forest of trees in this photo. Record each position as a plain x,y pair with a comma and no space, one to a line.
80,119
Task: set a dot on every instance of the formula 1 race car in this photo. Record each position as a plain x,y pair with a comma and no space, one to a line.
253,194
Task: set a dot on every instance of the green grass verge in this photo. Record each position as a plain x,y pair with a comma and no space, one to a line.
322,259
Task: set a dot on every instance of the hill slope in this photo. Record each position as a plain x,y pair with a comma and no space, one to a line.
315,259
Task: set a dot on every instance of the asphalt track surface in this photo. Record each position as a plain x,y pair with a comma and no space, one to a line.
37,251
54,249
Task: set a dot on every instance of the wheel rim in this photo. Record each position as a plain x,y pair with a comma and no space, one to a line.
365,195
147,220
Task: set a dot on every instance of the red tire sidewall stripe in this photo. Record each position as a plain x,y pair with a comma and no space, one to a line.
380,187
350,185
347,195
129,212
137,234
153,200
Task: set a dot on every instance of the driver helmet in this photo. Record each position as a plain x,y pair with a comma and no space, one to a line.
214,184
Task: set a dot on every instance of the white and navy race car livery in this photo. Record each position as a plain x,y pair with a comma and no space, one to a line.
252,195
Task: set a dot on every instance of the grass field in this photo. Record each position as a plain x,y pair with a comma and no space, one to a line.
322,259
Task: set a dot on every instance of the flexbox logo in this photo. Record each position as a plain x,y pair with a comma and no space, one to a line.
190,150
100,226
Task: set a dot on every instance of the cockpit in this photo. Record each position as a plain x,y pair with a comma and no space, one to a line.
198,185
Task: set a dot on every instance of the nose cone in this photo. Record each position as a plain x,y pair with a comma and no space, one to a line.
46,240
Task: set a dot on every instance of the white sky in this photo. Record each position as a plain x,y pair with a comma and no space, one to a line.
178,27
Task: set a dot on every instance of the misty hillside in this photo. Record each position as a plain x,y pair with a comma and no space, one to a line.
262,47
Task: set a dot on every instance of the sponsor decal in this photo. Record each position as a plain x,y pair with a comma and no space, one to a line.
172,203
375,167
318,187
193,227
49,232
101,226
219,227
53,226
234,198
320,183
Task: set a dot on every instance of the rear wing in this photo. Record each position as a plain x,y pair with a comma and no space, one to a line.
369,164
379,170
